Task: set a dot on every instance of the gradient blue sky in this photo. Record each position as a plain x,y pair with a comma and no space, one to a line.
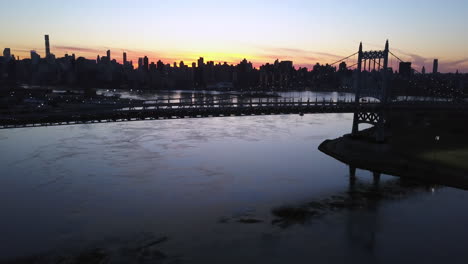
261,31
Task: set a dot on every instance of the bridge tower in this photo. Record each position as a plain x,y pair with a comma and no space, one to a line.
371,82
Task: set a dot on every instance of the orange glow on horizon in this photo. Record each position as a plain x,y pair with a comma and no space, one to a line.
188,58
256,58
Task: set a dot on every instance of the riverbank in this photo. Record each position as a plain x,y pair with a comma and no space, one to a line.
433,149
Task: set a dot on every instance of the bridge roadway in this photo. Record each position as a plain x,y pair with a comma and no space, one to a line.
154,111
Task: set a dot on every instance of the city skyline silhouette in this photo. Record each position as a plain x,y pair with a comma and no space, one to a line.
126,57
305,32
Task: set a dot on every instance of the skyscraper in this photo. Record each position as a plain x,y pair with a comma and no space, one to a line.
435,68
7,53
201,62
146,63
124,58
108,55
140,63
35,57
405,69
47,46
152,67
200,74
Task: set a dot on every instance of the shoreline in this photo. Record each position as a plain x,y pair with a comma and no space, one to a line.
383,158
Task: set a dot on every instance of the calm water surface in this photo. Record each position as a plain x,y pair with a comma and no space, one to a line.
74,187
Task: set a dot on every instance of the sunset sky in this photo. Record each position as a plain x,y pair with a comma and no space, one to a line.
306,32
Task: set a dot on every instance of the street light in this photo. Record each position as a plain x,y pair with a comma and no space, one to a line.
437,138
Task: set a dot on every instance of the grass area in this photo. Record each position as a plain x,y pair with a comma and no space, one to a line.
457,158
438,139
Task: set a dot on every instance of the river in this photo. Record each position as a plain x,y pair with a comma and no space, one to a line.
191,181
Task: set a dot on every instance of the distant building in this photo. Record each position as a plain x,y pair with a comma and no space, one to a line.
35,58
200,74
201,62
7,53
286,65
435,67
160,65
47,46
140,63
124,58
152,67
109,55
423,71
342,67
405,69
146,63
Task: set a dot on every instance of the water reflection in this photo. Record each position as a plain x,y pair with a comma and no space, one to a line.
360,195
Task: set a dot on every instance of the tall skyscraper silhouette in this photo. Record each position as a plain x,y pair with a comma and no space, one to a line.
47,46
146,63
140,63
435,67
108,55
124,58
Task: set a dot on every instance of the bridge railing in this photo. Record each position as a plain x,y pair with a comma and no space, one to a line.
239,104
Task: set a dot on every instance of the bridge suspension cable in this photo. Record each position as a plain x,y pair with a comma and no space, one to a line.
396,56
352,65
343,59
401,60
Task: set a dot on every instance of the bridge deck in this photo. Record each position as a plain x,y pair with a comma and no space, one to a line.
190,110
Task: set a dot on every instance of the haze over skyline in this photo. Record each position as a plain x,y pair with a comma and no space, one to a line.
305,32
